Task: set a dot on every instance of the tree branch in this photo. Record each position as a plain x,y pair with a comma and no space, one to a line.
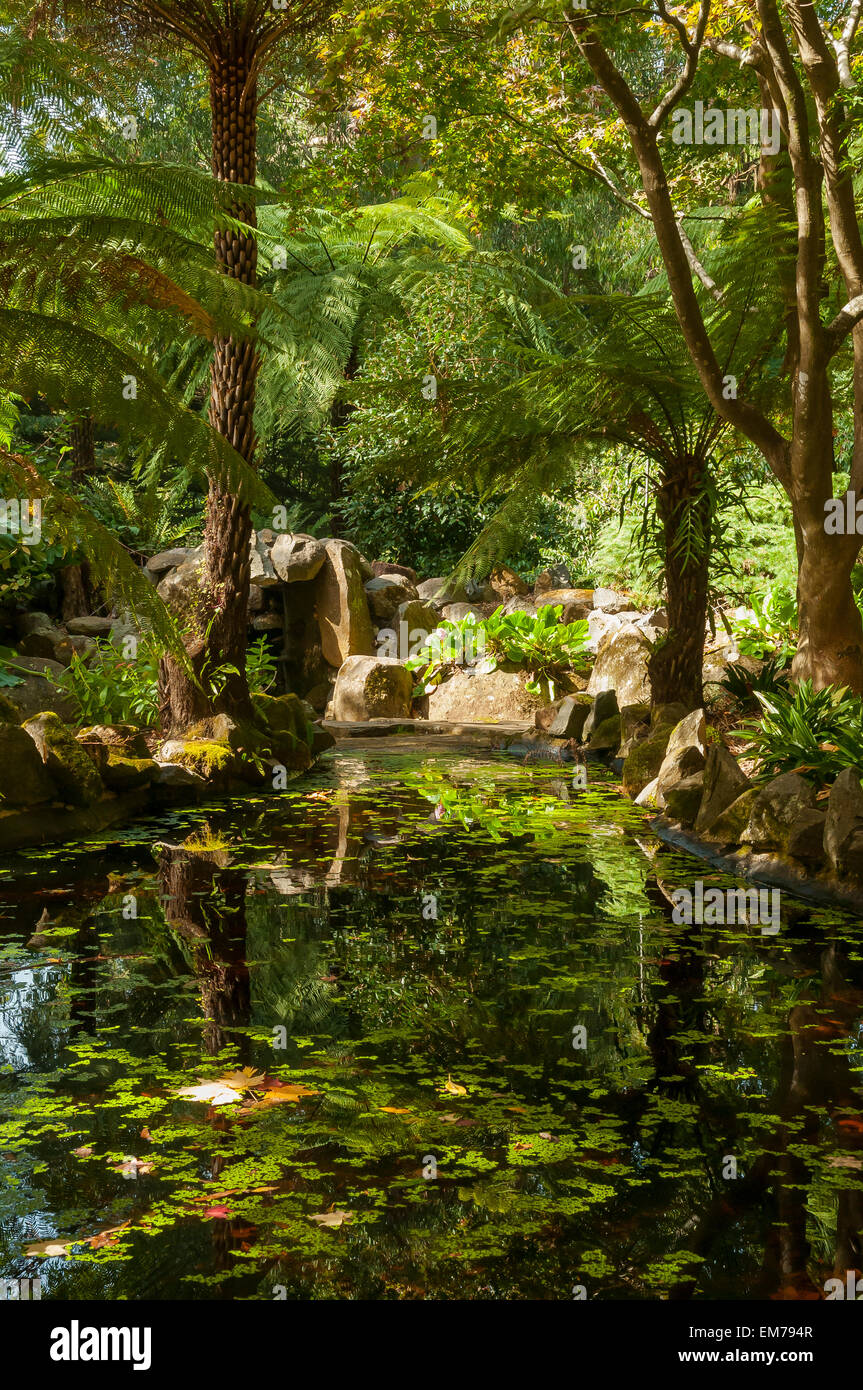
692,49
842,45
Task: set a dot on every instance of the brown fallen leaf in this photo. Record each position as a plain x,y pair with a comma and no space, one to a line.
106,1237
84,1152
333,1218
278,1095
845,1161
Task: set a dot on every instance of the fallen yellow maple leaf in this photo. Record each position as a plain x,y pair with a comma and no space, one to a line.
454,1088
246,1080
333,1218
395,1109
213,1092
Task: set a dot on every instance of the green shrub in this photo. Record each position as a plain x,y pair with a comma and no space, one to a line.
814,732
108,688
772,627
541,645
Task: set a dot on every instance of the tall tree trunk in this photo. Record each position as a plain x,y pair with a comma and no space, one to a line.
683,505
222,624
78,597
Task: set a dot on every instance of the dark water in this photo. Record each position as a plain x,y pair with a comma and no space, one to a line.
435,936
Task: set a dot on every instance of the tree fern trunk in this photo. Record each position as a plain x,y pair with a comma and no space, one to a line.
78,598
223,621
684,507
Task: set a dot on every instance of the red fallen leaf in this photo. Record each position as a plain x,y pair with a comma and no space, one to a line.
217,1211
145,1133
106,1237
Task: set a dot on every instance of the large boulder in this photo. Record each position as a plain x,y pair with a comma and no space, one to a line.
91,626
386,592
342,608
844,818
805,838
37,690
634,727
521,603
776,809
604,706
66,762
622,665
48,641
181,587
419,617
24,779
372,687
610,601
574,603
684,754
297,557
724,781
684,798
571,716
732,826
474,697
506,583
125,739
167,560
380,567
122,774
455,612
600,626
643,761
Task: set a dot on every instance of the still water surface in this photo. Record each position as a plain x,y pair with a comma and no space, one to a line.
460,1050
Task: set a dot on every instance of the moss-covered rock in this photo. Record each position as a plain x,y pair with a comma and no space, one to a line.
605,737
732,827
122,774
643,762
8,712
684,798
24,780
126,739
207,757
68,765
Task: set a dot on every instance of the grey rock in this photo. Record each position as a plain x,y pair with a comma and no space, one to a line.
92,626
724,781
844,817
776,808
261,569
622,665
603,708
167,560
297,557
372,687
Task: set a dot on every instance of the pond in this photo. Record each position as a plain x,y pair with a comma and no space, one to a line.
423,1027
